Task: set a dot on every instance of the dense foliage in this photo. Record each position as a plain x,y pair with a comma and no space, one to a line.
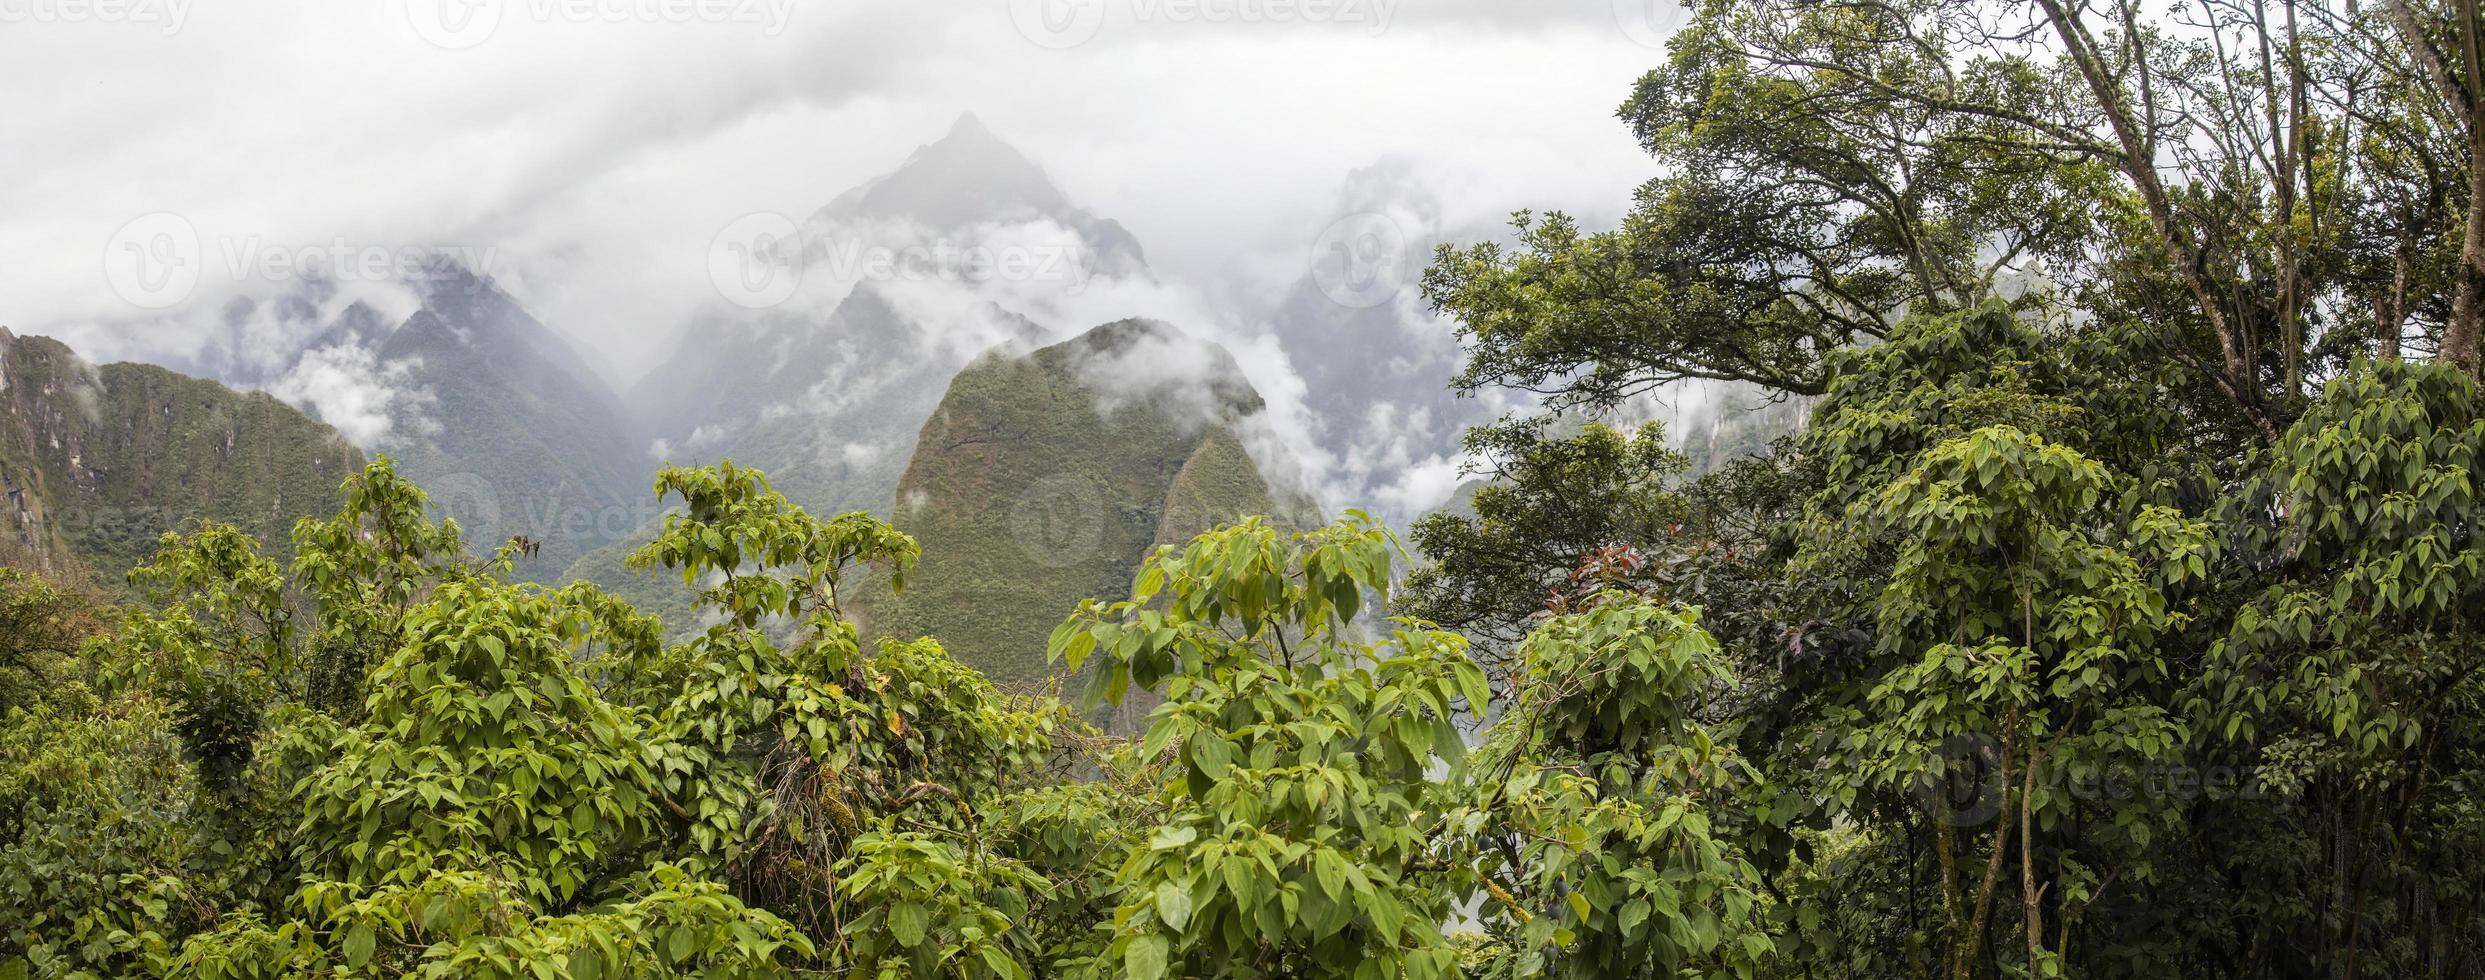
2115,612
385,759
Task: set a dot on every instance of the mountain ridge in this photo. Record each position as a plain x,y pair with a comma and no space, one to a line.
97,462
1032,488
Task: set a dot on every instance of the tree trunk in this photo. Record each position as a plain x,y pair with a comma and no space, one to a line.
2138,162
2031,897
1963,962
2390,310
2459,76
2467,305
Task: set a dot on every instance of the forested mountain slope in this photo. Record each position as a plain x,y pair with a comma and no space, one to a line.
98,462
1045,478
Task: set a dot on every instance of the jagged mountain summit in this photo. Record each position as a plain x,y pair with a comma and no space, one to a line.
971,177
827,392
495,415
796,386
97,463
517,433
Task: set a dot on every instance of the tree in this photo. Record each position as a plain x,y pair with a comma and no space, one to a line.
2204,182
1305,763
2349,677
1600,817
41,628
1550,500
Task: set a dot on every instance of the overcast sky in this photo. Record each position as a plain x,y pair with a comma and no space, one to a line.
593,148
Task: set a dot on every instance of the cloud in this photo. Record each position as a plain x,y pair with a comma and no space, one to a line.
598,158
373,405
1156,367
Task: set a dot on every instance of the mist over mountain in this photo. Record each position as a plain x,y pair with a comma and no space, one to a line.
1045,477
524,439
899,284
869,307
879,298
498,416
1376,362
971,178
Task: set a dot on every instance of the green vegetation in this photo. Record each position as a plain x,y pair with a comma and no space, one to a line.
525,781
2115,612
99,462
2111,614
1043,479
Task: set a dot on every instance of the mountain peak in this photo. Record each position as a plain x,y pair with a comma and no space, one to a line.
1121,335
1139,360
968,126
1056,473
969,175
969,139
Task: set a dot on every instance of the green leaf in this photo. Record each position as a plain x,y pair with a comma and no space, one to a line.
1145,959
1633,913
1173,904
1168,838
1331,870
358,944
1212,755
908,922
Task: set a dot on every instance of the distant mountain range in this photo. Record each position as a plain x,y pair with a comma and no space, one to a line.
828,392
492,412
1037,456
518,436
